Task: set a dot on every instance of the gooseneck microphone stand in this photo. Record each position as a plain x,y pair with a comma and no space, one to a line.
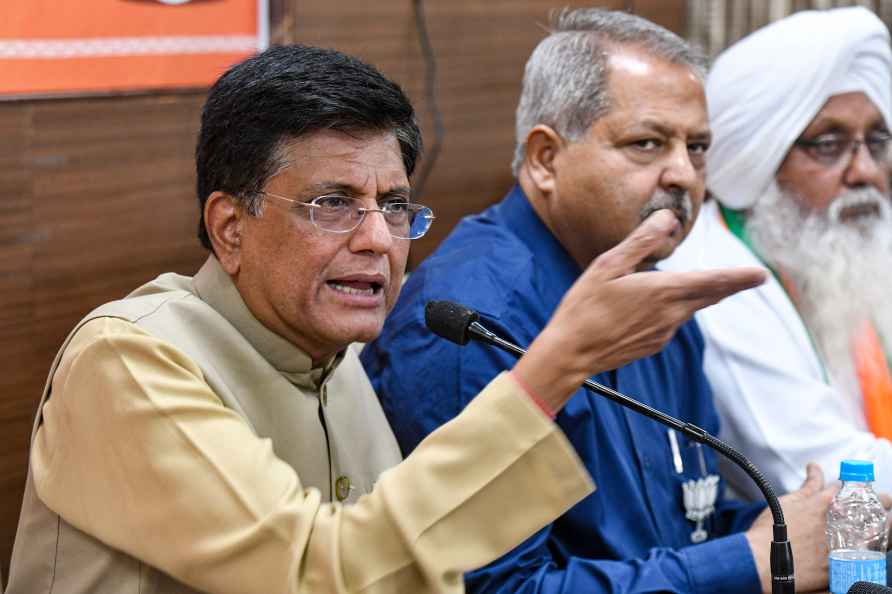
459,324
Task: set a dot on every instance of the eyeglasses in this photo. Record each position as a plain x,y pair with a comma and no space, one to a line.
341,214
828,149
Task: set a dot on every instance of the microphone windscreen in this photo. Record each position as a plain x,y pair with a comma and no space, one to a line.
868,588
449,320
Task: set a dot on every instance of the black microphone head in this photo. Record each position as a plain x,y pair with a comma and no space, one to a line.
868,588
449,320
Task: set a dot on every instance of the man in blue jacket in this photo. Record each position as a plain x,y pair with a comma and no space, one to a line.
611,127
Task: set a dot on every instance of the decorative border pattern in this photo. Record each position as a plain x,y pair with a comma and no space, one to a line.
57,49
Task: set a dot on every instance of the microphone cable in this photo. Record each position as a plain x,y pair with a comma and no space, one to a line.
458,324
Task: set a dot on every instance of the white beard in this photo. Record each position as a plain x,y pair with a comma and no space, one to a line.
841,271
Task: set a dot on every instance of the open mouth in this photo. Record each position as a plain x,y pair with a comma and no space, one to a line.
352,287
858,211
860,207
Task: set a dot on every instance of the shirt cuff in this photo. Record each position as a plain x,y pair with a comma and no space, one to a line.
532,396
723,565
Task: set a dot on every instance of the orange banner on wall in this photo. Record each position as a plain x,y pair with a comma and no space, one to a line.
71,46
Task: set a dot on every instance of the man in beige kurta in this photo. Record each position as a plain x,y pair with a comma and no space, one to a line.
215,434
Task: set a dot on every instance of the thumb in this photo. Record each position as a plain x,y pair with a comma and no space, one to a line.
638,245
814,479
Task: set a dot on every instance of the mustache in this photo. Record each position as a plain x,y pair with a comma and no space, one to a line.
678,201
866,201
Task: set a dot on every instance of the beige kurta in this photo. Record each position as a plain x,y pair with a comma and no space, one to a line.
187,448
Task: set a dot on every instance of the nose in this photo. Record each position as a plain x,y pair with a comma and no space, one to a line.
372,235
679,172
864,170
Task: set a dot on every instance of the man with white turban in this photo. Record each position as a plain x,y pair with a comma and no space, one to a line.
799,169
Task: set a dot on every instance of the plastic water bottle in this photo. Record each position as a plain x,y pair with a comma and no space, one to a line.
856,530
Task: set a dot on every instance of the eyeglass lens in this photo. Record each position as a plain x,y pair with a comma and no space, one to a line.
341,214
829,149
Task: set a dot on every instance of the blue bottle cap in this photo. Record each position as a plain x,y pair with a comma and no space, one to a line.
856,470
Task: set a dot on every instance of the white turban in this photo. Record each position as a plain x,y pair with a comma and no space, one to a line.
766,89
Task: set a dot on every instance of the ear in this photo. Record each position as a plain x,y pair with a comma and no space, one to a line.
223,218
542,148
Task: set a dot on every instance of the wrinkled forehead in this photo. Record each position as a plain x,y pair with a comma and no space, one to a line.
645,89
360,162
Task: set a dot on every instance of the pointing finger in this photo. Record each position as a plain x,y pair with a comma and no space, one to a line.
706,287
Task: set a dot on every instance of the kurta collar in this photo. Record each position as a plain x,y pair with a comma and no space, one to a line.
216,288
523,221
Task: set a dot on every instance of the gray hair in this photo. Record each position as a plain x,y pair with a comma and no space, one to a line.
564,83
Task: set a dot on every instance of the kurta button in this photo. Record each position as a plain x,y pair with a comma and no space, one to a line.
342,488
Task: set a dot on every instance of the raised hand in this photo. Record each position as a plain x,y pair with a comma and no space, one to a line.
613,315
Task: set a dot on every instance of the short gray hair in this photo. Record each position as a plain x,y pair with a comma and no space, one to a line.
564,84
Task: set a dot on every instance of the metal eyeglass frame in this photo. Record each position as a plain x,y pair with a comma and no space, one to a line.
851,146
428,216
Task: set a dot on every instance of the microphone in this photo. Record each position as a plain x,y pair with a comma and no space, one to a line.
456,323
868,588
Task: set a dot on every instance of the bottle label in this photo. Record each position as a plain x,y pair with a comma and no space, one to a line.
848,567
